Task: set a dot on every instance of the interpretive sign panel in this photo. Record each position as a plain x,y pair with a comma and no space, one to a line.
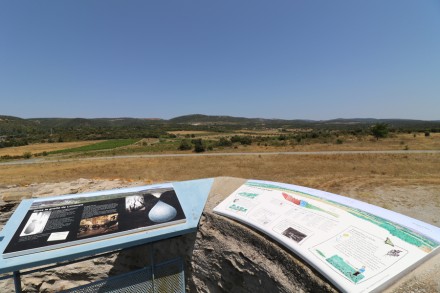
357,246
65,221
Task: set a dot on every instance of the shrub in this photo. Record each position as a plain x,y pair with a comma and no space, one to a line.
380,130
198,145
27,155
185,145
224,142
244,140
314,135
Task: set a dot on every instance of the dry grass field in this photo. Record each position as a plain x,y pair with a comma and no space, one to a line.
154,145
407,183
42,147
188,132
397,181
352,143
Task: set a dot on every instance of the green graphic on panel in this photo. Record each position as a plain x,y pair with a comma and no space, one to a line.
320,252
398,231
352,274
248,195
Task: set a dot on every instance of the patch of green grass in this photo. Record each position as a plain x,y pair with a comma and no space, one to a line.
166,146
162,146
104,145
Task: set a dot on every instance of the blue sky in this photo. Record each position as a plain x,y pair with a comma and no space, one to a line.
271,59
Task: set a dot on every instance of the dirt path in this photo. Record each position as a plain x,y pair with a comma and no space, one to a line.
239,154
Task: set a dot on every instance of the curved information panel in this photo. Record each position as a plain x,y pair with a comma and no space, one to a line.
357,246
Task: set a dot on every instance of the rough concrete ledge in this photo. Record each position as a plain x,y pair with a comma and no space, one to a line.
286,272
231,257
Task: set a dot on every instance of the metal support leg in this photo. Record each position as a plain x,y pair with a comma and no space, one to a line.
17,281
152,265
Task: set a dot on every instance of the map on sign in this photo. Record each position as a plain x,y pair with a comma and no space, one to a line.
69,220
357,246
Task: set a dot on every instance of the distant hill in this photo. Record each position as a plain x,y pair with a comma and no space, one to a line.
16,131
96,122
15,125
8,123
242,121
199,118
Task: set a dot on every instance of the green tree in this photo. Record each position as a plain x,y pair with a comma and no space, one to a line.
27,155
185,145
198,145
244,140
224,142
380,130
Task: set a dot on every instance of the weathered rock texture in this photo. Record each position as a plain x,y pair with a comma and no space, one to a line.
223,256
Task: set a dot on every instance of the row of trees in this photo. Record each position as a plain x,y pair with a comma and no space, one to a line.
380,130
13,142
198,144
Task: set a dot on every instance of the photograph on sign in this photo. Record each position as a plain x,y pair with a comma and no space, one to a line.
36,223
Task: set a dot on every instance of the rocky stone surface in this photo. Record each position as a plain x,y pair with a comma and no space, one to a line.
223,256
63,277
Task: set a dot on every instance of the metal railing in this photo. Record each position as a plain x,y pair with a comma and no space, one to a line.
165,277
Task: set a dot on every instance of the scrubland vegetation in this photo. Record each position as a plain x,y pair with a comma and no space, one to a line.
365,176
27,138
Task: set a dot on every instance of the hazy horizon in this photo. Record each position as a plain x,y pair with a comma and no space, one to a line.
310,60
273,118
